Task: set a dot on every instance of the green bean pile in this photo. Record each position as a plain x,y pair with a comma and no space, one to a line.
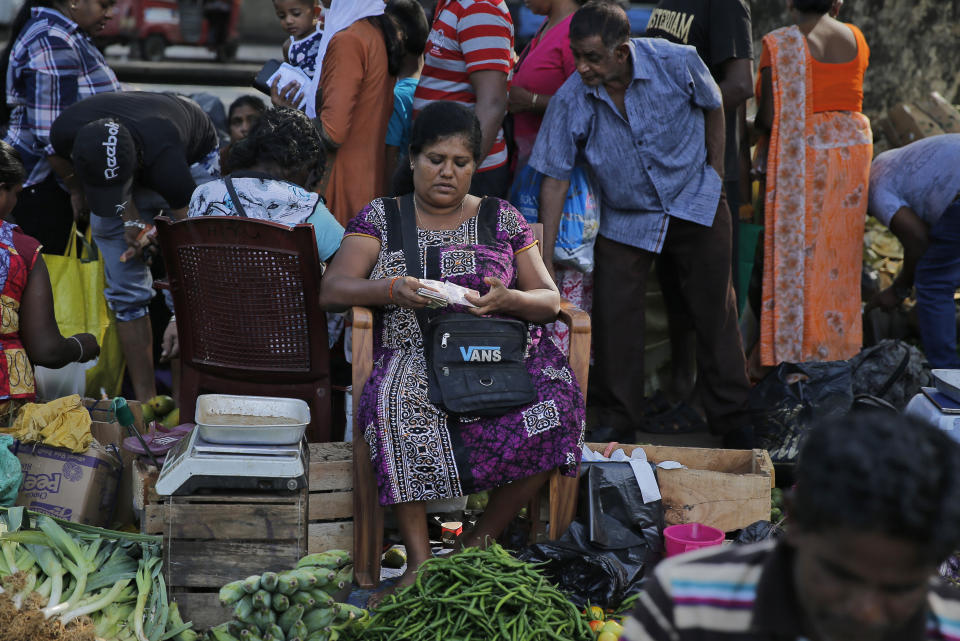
477,594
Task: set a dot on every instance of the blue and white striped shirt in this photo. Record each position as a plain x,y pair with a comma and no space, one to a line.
651,165
53,65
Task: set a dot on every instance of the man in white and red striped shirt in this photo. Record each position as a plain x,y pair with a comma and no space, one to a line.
468,60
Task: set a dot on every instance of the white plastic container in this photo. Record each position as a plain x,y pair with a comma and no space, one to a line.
251,420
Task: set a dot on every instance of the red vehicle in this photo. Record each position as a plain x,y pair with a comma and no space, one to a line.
150,26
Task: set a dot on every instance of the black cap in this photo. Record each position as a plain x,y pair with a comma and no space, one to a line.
105,159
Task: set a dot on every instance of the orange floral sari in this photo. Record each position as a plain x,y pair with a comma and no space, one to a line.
818,169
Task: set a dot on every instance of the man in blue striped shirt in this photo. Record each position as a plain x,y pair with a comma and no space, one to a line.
647,118
875,510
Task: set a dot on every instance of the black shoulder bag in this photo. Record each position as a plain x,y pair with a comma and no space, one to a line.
475,366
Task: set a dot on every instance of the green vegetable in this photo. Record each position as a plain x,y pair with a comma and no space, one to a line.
318,619
263,619
478,594
287,583
293,614
268,581
332,559
281,602
305,579
303,598
231,593
246,635
251,584
344,577
262,600
276,632
220,633
321,598
243,610
298,630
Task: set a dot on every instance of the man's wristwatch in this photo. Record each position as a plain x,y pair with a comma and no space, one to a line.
139,224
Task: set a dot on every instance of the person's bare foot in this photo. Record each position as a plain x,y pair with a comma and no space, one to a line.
406,579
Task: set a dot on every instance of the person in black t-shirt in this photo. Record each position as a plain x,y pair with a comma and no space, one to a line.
721,32
126,156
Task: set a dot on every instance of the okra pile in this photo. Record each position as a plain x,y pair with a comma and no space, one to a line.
477,594
296,605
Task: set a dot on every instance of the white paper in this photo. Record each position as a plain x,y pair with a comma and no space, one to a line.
641,469
287,74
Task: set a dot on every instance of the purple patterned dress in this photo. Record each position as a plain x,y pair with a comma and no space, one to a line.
418,451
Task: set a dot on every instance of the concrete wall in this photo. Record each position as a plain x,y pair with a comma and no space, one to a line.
913,46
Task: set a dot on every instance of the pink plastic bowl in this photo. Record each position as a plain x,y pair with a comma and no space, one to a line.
690,536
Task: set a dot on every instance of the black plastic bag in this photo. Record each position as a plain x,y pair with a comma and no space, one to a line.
758,531
794,396
892,370
605,553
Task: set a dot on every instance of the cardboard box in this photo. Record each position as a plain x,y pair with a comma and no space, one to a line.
725,489
76,487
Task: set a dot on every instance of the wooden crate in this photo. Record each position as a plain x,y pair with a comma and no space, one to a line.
725,489
213,538
331,497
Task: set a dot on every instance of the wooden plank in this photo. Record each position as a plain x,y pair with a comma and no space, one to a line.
724,501
213,563
330,536
327,452
329,506
331,475
203,609
219,521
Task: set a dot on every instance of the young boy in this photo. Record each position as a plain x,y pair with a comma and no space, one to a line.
409,16
300,19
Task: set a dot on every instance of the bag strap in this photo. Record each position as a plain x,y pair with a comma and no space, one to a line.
228,181
89,250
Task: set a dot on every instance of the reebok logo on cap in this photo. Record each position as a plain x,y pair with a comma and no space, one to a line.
110,172
105,160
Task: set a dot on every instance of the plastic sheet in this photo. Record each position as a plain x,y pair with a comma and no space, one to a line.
758,531
10,473
616,538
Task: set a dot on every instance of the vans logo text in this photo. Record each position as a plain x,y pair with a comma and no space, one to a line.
481,353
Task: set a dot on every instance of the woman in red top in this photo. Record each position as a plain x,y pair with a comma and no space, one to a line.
543,67
817,162
28,328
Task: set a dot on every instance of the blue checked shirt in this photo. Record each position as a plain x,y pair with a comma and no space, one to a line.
650,166
52,66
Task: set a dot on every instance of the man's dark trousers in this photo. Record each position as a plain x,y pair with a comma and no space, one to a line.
701,256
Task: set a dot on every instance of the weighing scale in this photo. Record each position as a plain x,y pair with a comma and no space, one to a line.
195,464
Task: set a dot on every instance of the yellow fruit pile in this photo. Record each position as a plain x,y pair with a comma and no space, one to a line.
161,409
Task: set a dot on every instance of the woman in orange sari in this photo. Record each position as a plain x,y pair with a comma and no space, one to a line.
817,156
